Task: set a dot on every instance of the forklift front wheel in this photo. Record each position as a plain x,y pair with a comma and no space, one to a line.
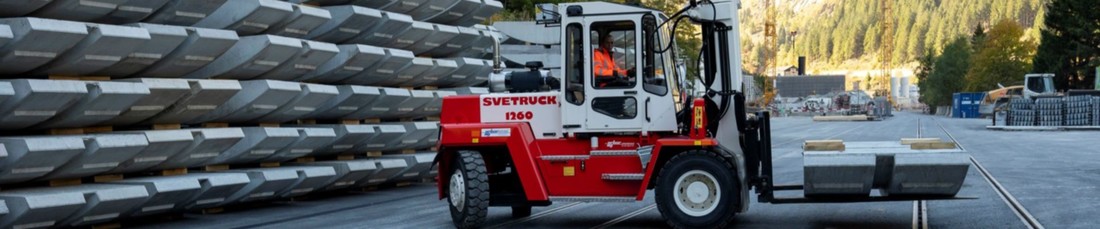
697,189
468,190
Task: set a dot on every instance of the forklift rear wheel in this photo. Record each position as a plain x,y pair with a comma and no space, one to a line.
468,190
521,211
697,189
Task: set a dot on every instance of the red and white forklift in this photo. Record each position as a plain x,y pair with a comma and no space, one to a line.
583,137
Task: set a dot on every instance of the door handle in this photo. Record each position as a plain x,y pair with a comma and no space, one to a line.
630,92
647,110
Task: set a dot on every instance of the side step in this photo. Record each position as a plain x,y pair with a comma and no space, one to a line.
623,176
593,199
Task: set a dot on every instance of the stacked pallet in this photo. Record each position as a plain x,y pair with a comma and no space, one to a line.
1050,111
1022,112
1078,110
122,108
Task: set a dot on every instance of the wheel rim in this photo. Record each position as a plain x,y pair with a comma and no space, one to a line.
697,193
458,189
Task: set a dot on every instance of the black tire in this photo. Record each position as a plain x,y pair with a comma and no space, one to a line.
722,191
521,211
470,169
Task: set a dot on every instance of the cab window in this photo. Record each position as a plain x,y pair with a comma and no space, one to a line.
574,64
653,62
613,54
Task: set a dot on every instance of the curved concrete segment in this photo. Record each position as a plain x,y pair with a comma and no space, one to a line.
18,8
462,41
409,74
264,184
387,135
99,50
34,157
431,8
37,41
247,17
411,37
164,39
207,144
441,35
70,206
162,145
216,188
310,178
419,135
387,100
184,12
250,57
166,194
350,61
105,101
433,107
306,102
300,23
35,101
163,93
434,77
391,26
102,153
258,143
201,47
419,166
396,60
417,99
203,97
404,6
309,141
386,168
347,22
928,174
481,14
78,10
350,98
347,137
376,4
348,173
132,11
457,11
305,61
256,99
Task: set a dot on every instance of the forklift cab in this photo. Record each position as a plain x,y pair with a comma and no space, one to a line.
616,79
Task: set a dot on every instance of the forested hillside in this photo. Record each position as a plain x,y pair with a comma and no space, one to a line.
844,34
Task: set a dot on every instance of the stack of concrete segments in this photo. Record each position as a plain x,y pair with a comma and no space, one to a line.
1095,111
1078,110
892,167
50,104
1050,111
1021,112
256,65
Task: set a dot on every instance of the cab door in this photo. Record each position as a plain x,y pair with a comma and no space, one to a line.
614,100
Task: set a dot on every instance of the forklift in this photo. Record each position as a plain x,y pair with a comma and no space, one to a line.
597,137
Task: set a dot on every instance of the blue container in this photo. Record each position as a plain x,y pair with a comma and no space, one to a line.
967,104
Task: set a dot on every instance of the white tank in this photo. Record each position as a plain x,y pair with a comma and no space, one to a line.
904,84
895,86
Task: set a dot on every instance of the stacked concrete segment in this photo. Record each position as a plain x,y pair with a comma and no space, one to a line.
104,101
70,206
35,101
36,42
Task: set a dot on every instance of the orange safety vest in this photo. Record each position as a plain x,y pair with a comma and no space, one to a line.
604,64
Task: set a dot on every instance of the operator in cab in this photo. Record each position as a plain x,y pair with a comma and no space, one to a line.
607,72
